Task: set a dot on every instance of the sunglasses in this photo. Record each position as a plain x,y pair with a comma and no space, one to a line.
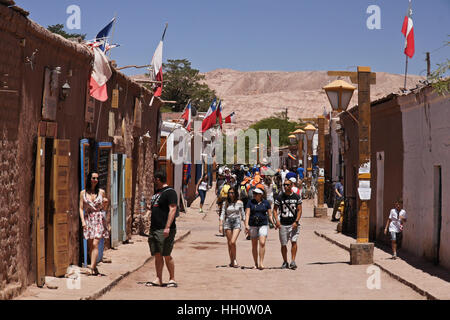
94,178
287,184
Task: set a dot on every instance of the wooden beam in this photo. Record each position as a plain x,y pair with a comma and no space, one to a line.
353,75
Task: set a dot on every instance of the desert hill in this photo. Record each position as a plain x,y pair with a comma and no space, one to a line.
260,94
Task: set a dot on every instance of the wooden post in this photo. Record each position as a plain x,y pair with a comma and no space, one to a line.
321,156
362,232
300,150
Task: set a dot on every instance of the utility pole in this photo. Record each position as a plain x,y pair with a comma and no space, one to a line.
428,65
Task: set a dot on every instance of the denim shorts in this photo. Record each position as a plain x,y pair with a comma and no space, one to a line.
256,232
394,235
232,223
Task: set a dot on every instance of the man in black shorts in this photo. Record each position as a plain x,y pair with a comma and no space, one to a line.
163,229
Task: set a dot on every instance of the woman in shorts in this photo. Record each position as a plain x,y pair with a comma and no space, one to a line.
230,221
257,216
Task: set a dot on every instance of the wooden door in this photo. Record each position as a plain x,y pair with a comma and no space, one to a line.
84,161
121,202
114,201
39,211
60,200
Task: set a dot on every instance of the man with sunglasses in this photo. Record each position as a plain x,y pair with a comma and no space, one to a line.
288,221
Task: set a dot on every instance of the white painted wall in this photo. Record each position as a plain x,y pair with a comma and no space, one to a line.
426,135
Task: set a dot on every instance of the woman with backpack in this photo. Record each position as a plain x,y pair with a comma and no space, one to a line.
230,221
257,217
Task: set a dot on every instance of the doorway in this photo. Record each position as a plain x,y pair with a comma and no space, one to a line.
380,195
437,212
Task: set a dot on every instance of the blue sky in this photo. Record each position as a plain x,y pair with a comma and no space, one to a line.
253,35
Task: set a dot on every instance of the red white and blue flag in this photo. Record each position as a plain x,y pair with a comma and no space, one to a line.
187,117
156,72
231,118
210,118
408,32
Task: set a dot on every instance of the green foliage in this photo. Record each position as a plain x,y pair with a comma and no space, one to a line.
282,124
181,83
439,83
438,78
58,29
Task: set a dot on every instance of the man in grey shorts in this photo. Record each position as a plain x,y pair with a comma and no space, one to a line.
290,205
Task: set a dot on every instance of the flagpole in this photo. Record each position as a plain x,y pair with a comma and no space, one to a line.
406,71
112,33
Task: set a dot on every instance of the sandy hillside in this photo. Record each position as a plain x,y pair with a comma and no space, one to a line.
257,95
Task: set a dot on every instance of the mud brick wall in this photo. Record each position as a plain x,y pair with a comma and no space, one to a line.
20,114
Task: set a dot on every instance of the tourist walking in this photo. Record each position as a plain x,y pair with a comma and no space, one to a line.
93,208
338,196
202,188
397,217
257,216
163,229
288,221
230,222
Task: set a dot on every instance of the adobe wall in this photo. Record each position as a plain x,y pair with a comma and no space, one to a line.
19,118
426,132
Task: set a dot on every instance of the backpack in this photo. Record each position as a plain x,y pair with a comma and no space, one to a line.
243,192
224,191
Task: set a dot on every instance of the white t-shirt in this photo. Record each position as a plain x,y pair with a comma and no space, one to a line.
395,225
203,186
283,175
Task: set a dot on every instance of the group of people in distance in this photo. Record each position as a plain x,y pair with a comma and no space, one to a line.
254,199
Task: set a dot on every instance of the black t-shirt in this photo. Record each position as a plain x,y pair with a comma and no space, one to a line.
160,208
293,200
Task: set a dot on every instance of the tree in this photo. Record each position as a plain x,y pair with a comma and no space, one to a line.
183,83
58,29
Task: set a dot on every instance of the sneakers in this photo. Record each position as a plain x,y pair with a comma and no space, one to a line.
293,265
394,257
201,210
285,265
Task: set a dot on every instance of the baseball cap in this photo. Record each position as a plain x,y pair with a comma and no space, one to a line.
258,190
293,179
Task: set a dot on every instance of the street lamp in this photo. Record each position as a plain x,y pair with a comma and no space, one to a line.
339,93
309,131
292,139
299,134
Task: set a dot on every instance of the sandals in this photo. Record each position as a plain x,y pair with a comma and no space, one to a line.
152,284
93,272
172,284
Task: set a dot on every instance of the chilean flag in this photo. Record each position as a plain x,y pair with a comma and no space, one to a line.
187,117
408,32
230,118
156,72
210,117
99,76
102,36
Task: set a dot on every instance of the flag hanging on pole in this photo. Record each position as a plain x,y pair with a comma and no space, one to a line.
210,118
156,72
219,113
231,118
187,117
102,36
408,32
99,76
